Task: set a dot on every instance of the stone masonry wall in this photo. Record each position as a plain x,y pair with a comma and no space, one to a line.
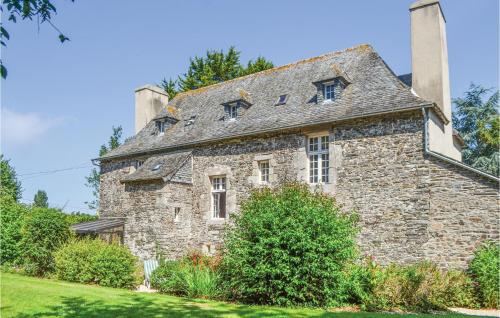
465,212
411,206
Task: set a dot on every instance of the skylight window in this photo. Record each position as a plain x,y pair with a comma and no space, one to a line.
282,99
158,166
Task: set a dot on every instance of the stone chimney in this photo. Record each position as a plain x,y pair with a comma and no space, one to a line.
430,76
149,101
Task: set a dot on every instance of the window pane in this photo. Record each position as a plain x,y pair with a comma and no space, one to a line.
325,167
216,206
324,142
329,92
264,171
313,144
313,169
222,205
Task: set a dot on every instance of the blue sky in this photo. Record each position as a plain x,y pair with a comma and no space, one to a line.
60,101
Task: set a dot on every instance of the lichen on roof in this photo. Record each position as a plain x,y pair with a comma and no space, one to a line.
373,89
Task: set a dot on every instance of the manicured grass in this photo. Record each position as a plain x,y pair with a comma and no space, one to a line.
23,296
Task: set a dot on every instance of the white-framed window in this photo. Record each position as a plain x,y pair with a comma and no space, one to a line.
329,91
264,171
232,111
177,214
319,159
160,124
219,197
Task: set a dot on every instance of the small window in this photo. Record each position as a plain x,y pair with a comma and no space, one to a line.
264,171
219,197
282,99
232,111
319,159
138,163
177,214
329,91
160,125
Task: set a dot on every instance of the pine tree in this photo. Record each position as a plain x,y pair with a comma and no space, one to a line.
214,67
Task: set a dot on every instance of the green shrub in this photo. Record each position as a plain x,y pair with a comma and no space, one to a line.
167,278
288,247
193,276
95,261
78,217
485,269
11,220
418,287
43,231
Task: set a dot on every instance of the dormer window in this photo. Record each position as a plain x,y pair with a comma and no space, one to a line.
232,110
138,164
329,91
160,125
235,109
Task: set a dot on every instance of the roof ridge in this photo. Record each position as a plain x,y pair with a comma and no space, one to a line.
363,46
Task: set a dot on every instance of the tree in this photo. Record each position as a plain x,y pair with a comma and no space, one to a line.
41,200
215,67
42,10
10,186
477,119
94,178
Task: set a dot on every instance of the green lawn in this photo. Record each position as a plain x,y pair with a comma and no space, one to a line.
23,296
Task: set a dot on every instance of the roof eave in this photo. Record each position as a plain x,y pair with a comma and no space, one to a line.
191,144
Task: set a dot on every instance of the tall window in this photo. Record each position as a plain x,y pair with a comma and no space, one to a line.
177,214
264,171
319,159
219,197
329,91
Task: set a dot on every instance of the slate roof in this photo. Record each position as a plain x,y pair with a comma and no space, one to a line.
162,167
97,226
406,79
373,89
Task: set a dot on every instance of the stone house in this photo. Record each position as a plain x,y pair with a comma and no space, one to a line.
342,122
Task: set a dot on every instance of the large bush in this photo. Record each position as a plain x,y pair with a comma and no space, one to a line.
289,247
43,231
418,287
11,220
485,269
97,262
192,276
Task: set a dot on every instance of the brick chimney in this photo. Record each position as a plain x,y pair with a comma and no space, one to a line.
430,76
149,101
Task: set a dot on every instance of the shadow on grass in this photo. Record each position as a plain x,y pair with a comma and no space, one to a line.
142,307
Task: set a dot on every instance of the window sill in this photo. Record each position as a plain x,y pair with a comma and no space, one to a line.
220,221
